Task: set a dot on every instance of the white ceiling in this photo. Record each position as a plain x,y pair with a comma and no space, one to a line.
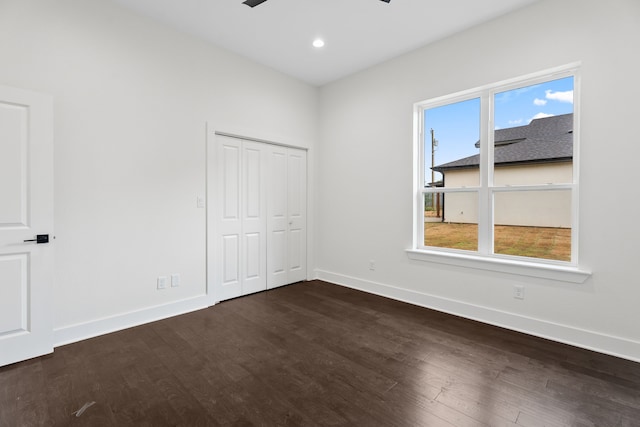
358,33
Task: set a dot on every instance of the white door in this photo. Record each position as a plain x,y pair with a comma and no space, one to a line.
277,218
297,213
256,214
240,213
253,260
286,216
26,211
226,211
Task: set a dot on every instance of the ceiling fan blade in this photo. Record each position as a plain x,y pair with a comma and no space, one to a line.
253,3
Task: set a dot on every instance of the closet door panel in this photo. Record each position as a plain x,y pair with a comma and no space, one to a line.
230,222
277,218
254,259
230,260
297,215
296,251
253,243
277,249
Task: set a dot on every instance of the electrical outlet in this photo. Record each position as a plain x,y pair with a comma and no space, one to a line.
372,265
175,280
518,292
162,282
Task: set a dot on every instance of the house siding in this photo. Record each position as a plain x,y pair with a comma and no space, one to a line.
526,208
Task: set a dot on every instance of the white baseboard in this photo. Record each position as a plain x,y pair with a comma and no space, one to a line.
94,328
590,340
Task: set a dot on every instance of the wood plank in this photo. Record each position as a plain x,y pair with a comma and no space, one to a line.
316,354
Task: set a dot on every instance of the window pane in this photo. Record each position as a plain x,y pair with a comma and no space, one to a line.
534,134
451,220
451,149
533,224
433,206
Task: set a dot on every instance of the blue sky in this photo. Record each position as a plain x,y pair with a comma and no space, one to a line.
457,126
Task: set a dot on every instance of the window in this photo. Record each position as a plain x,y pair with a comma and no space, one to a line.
497,175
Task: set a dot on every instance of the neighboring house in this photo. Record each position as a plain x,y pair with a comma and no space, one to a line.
536,154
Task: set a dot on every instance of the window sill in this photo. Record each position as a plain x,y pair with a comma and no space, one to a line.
521,268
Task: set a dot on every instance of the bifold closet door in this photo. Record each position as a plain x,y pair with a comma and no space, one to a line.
241,240
286,216
257,209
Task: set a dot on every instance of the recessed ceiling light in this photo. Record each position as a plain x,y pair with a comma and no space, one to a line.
318,43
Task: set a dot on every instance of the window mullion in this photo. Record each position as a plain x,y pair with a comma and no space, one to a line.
576,168
418,152
485,208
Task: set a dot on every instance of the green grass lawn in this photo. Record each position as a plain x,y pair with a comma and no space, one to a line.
535,242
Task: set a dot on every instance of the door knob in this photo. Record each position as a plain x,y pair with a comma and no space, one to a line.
40,238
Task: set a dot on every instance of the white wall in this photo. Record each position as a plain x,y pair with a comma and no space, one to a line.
365,175
131,101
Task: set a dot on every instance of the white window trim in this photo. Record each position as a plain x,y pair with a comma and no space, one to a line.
484,259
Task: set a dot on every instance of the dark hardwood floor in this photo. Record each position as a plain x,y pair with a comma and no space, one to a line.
316,354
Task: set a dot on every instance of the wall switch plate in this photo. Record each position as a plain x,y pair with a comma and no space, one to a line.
518,292
175,280
162,282
200,202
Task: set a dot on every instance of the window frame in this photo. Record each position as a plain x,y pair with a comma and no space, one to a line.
485,258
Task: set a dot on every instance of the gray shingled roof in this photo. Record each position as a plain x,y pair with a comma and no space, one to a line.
549,139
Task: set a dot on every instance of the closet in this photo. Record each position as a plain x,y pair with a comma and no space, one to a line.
257,196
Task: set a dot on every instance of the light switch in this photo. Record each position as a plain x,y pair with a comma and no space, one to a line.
200,202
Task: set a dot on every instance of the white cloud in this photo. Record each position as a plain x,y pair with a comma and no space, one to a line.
515,122
560,96
539,102
540,116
